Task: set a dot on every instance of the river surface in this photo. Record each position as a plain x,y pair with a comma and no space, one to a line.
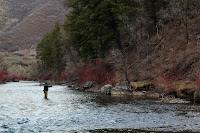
24,109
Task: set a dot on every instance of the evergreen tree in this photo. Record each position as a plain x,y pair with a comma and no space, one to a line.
95,26
152,7
50,51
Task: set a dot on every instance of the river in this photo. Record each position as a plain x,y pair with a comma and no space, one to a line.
24,109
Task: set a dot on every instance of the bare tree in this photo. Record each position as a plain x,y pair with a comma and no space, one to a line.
198,40
121,61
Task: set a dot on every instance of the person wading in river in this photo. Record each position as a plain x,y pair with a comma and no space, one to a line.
46,87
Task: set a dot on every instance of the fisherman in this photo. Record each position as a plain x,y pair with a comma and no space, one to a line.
46,87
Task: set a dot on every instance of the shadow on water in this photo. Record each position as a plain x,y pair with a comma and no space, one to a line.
104,100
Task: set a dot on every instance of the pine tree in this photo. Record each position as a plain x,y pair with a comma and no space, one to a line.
95,26
50,50
152,7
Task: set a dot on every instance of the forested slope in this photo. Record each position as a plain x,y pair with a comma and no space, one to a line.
143,39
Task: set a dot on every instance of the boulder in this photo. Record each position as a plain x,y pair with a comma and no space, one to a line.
88,85
106,89
121,89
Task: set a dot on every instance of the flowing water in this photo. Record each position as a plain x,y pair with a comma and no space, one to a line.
24,109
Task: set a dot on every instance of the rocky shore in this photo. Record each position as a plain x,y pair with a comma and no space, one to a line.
142,90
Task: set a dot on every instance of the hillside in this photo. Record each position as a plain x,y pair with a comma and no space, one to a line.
23,23
171,54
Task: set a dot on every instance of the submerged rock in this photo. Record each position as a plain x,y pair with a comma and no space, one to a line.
145,94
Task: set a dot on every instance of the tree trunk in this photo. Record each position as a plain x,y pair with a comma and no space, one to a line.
118,41
126,76
157,32
186,31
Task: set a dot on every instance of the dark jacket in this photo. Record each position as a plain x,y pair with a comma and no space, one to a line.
46,87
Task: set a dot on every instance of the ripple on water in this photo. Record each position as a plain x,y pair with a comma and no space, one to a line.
23,121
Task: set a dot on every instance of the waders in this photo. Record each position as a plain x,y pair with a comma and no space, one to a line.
45,94
46,87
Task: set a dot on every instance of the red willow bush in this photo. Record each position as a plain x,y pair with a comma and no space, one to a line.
3,76
16,78
166,84
7,77
98,72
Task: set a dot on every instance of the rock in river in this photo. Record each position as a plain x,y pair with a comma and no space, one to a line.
88,85
106,89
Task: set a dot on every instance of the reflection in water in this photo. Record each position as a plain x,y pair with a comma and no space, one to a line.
24,109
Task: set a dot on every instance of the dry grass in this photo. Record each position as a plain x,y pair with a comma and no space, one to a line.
140,83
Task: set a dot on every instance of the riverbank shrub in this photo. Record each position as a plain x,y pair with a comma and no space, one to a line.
15,78
8,77
98,72
179,85
3,76
52,76
165,84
